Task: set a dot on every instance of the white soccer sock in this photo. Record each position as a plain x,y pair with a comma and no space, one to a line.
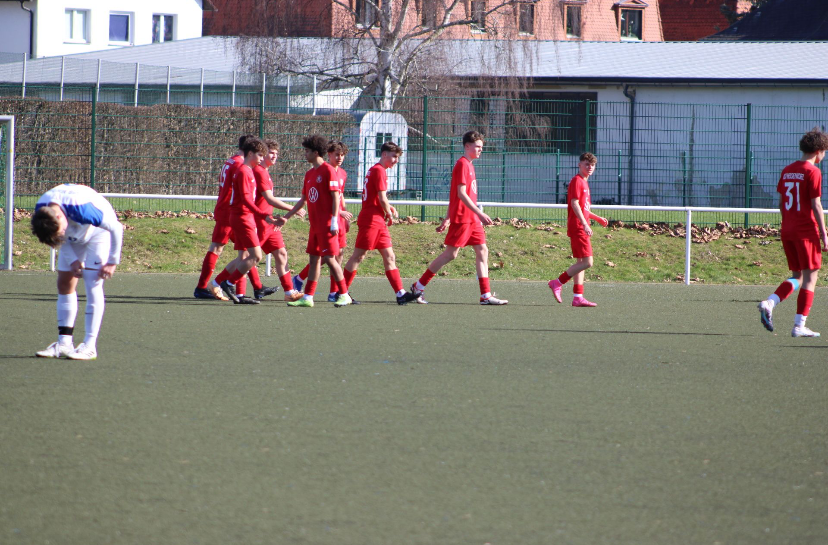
799,320
578,296
773,300
94,305
419,286
67,311
400,293
486,295
308,297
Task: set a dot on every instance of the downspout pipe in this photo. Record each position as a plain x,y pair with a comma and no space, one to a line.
630,94
31,28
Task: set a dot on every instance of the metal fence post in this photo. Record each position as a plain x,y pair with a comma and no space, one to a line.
586,134
92,140
557,175
748,173
169,78
619,177
684,178
62,72
201,90
137,76
424,161
262,107
25,65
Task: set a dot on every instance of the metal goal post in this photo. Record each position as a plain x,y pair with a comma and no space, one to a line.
7,188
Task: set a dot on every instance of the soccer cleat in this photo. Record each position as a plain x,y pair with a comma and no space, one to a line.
264,292
301,303
56,350
215,289
230,290
406,298
353,301
556,287
203,293
766,315
297,283
332,297
295,296
342,300
581,302
245,300
83,352
492,300
802,331
418,295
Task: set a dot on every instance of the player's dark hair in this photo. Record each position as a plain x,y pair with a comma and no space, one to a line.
392,147
472,136
316,143
245,138
589,157
45,226
814,141
254,145
271,144
337,147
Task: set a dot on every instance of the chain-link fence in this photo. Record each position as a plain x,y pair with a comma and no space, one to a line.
649,153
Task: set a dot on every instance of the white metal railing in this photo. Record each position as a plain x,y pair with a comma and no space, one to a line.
8,239
688,213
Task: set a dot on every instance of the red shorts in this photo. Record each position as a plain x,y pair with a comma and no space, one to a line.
222,232
803,254
344,227
324,244
270,238
244,233
373,237
581,245
465,234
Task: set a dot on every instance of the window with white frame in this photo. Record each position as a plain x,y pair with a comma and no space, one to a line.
77,25
478,15
162,28
526,18
630,23
120,27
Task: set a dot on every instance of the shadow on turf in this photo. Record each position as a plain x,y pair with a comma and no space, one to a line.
614,332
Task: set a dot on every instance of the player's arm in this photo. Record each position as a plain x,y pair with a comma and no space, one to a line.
576,208
465,199
335,211
816,206
389,212
281,220
276,202
602,221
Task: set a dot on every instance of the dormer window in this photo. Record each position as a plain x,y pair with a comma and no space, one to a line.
630,19
573,17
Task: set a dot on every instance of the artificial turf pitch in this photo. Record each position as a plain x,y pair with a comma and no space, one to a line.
666,415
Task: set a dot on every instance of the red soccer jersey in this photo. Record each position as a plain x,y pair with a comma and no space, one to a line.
319,182
372,212
225,185
263,183
578,189
243,192
341,176
799,183
462,174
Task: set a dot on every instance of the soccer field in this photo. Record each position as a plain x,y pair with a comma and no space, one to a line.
667,415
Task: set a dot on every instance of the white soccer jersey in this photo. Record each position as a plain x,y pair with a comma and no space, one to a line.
86,211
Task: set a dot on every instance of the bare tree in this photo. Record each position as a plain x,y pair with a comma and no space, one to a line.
391,47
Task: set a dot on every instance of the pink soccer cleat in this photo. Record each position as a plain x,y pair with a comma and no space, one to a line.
556,287
581,302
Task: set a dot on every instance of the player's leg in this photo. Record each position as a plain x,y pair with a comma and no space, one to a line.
271,241
349,271
222,233
447,256
313,275
247,262
392,273
803,304
95,303
280,262
578,299
342,298
481,264
67,311
334,290
786,288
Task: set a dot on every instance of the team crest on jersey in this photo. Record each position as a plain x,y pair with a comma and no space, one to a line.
313,194
319,179
474,186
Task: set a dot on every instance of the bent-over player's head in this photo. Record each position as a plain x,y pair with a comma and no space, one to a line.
316,143
337,147
813,141
49,226
589,157
243,139
473,136
391,147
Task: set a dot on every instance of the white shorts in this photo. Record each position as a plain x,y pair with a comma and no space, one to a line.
92,254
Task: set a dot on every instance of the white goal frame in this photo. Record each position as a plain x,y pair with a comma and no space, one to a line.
8,227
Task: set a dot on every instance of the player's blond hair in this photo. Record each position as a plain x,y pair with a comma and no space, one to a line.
272,144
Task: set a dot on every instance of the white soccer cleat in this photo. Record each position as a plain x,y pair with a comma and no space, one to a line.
56,350
492,300
766,315
802,331
83,352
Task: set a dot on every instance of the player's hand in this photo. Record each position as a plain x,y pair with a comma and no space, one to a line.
443,225
271,220
588,230
76,268
279,221
825,243
347,216
603,222
393,211
389,220
334,225
301,213
485,219
107,271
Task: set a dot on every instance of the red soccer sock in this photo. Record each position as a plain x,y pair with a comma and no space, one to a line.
349,277
310,288
254,278
304,274
287,283
426,277
804,302
484,286
222,276
207,268
342,287
241,285
564,277
784,290
235,276
394,279
578,289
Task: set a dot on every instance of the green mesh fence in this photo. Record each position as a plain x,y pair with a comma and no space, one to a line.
174,141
